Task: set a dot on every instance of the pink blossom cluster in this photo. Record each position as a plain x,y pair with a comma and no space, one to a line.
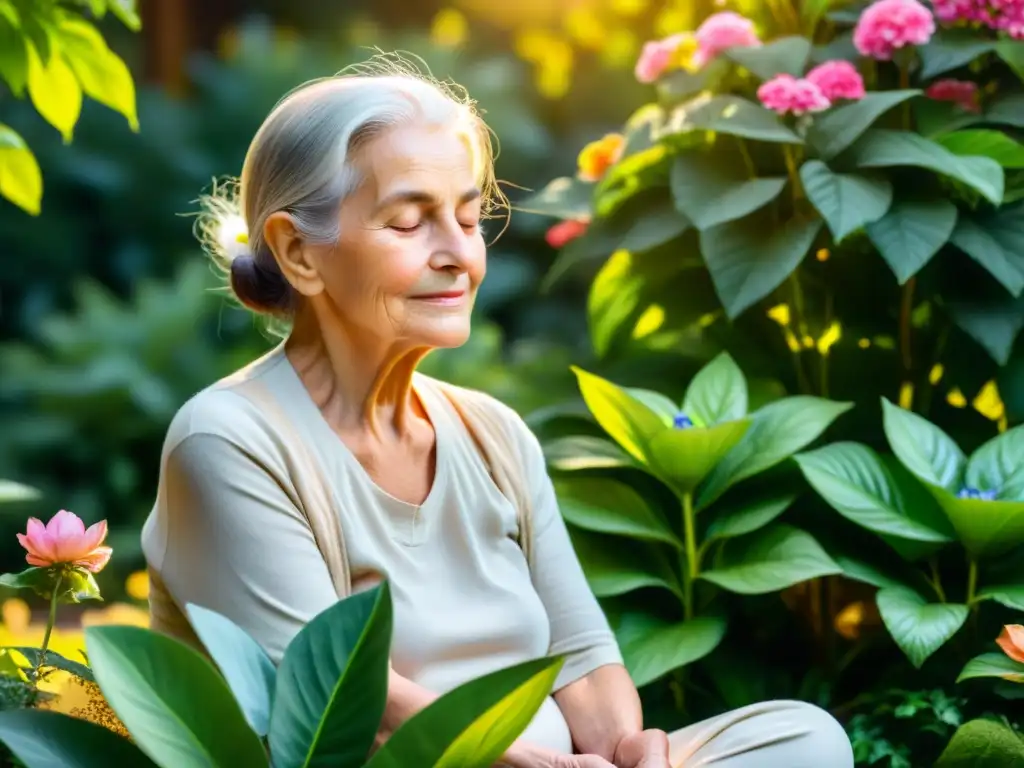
888,25
718,32
961,92
1005,15
823,85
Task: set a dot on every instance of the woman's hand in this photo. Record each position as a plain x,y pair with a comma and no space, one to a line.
644,749
581,761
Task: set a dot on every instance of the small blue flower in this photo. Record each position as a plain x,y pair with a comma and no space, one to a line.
682,421
974,493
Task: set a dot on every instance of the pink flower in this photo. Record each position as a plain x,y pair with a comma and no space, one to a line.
891,24
962,92
837,80
564,232
655,59
1004,15
65,540
721,31
785,93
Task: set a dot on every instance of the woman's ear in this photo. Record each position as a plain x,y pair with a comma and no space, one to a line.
293,254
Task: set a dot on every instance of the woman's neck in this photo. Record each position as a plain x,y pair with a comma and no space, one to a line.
359,382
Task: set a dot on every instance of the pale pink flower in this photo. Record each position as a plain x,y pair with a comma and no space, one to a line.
786,94
655,58
564,232
837,79
888,25
1004,15
66,541
721,31
962,92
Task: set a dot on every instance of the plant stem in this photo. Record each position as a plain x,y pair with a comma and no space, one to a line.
49,626
904,85
794,174
906,331
692,558
936,580
748,161
972,581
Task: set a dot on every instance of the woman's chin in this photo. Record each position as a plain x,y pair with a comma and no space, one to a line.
453,332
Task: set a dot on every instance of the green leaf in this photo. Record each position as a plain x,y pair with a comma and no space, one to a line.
171,699
101,73
245,665
609,506
659,647
77,586
770,560
918,627
777,431
985,143
55,661
985,528
658,403
655,226
684,457
847,201
1012,52
949,49
332,684
993,665
748,517
936,118
749,258
866,572
982,744
11,491
1009,595
55,92
710,192
566,197
993,323
998,465
887,149
617,566
736,116
718,392
13,57
585,452
474,724
39,580
996,242
923,448
1007,110
41,739
628,421
127,13
835,130
21,181
855,482
784,55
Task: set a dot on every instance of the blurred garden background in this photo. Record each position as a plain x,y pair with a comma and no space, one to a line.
111,317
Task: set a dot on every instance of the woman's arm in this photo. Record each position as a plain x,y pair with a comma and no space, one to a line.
602,708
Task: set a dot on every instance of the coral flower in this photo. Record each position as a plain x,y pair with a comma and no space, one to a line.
66,541
962,92
888,25
598,156
564,232
721,31
786,94
838,80
1011,640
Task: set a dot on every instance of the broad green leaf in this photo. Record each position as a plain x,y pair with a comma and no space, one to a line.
655,226
847,201
985,143
662,647
711,192
717,393
566,197
1010,595
658,403
998,465
918,627
101,73
812,12
985,528
996,241
245,665
982,744
777,431
474,724
749,258
770,560
923,448
746,518
585,452
858,569
21,180
615,567
39,580
949,49
13,57
615,294
11,491
1007,110
41,739
55,92
934,119
784,55
736,116
855,482
332,684
609,506
127,12
1012,52
628,421
993,665
54,660
684,457
177,708
887,149
835,130
993,323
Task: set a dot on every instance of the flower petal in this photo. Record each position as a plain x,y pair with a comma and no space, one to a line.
95,534
39,562
37,540
67,531
1011,640
95,560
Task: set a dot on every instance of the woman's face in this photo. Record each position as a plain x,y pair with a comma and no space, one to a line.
411,254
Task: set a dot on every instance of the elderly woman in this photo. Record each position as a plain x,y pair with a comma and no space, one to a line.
330,463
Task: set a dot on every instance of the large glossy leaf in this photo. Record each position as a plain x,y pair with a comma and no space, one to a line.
54,91
737,116
628,421
684,457
21,180
996,241
878,575
332,684
13,56
855,482
835,130
769,560
847,201
985,528
986,143
566,197
911,233
747,517
784,55
777,431
617,567
993,665
101,73
1012,52
245,665
750,257
472,725
656,648
923,448
998,465
41,739
177,708
710,192
717,393
1007,109
609,506
887,149
982,744
951,48
918,627
54,660
577,452
994,323
1010,595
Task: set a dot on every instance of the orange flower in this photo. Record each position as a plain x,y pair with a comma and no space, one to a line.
1011,640
65,540
564,232
598,156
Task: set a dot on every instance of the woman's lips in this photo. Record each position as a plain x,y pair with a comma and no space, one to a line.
443,297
